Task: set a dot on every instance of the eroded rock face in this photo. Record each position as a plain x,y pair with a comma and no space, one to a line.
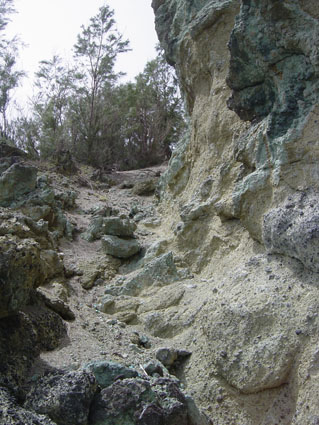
27,260
22,337
247,172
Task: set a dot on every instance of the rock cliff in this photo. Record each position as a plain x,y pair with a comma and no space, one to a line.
239,202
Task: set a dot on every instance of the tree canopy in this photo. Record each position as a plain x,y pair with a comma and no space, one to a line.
83,107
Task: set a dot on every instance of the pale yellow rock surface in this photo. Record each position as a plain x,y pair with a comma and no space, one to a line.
254,337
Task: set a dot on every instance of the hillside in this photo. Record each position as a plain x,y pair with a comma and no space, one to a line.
186,294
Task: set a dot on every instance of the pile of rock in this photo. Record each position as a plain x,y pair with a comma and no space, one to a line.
116,234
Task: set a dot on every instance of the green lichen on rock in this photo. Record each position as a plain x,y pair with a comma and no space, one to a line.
120,247
16,181
106,373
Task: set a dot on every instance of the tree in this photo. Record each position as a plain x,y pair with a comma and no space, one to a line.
24,132
95,52
55,85
6,8
155,115
9,75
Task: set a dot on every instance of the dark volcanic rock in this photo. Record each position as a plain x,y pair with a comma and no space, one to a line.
270,73
64,397
140,402
13,414
22,337
293,229
106,373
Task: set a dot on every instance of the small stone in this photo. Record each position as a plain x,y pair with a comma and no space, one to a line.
167,356
154,367
119,247
108,372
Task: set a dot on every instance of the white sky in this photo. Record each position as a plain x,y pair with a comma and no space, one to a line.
50,27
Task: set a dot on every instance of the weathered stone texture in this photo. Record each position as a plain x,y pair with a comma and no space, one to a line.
247,171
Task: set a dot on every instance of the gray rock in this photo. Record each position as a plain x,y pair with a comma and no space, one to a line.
15,182
107,304
55,304
168,356
36,212
145,187
119,247
154,368
159,271
64,397
106,373
293,229
138,401
115,226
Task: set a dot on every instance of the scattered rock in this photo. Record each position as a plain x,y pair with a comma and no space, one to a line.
145,188
119,247
154,368
168,356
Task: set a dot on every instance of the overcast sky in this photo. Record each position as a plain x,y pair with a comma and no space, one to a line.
50,27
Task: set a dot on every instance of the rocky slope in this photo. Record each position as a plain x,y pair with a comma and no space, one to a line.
75,296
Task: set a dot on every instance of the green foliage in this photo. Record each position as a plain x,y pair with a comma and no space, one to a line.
6,8
25,133
55,84
155,118
95,52
9,75
84,109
